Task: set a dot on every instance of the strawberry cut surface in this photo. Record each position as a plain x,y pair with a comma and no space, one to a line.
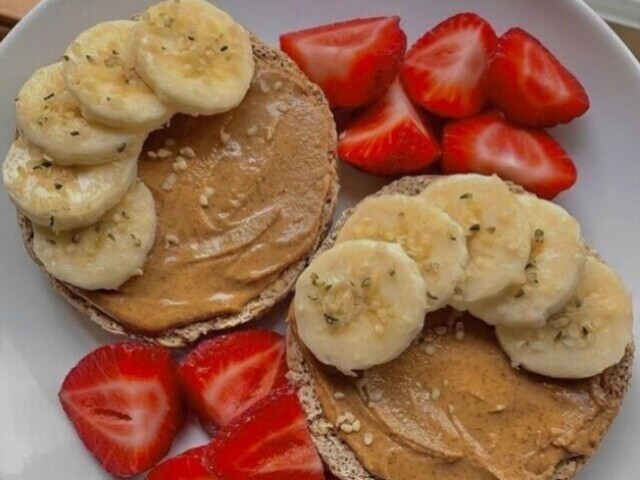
444,69
270,441
391,137
488,144
186,466
530,85
124,402
226,375
354,62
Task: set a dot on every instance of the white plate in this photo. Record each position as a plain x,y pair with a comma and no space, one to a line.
41,338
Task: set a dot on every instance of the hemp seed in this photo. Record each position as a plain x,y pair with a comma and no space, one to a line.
171,239
164,153
187,152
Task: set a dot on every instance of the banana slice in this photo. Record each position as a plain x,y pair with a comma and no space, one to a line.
49,116
104,255
99,71
588,336
194,56
552,274
497,231
360,293
63,198
427,234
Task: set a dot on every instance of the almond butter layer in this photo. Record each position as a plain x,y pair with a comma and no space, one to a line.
452,407
239,198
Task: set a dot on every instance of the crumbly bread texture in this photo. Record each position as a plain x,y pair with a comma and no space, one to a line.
280,288
337,455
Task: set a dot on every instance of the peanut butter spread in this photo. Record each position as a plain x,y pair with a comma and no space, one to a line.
451,407
239,198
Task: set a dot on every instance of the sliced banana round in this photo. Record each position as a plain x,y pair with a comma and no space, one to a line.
99,69
104,255
59,197
360,293
427,234
557,259
497,231
194,56
49,116
588,336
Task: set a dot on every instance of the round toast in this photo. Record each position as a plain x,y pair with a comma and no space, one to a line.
337,455
183,335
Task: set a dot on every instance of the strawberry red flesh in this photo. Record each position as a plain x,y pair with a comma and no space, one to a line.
124,402
530,85
354,62
226,375
489,144
186,466
444,69
391,137
270,441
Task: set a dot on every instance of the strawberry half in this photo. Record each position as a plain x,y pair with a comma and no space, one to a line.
226,375
354,62
389,138
124,402
489,144
186,466
444,69
270,441
530,85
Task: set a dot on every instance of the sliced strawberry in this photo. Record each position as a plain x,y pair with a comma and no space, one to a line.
226,375
444,69
530,85
354,62
270,441
489,144
186,466
124,402
389,138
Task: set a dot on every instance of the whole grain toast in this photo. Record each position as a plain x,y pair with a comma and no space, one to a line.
270,296
337,455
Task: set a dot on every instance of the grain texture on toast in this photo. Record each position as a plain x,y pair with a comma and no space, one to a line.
280,288
337,455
